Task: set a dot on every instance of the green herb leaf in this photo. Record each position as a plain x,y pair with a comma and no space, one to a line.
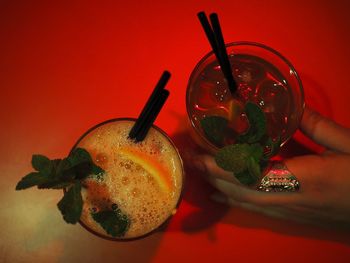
115,223
71,205
32,179
254,168
234,157
257,124
59,174
256,151
245,178
77,165
41,163
55,184
97,170
214,128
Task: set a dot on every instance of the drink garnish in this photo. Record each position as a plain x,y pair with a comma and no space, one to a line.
114,222
59,173
67,174
236,157
247,157
71,205
257,124
148,163
214,128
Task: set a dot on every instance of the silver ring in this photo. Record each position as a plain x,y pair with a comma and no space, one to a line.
279,179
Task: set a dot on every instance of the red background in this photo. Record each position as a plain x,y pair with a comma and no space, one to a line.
66,66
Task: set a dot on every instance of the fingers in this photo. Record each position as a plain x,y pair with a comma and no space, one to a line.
297,214
247,206
226,183
207,165
243,194
325,132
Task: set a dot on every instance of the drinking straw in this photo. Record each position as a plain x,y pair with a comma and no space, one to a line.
216,40
151,109
151,117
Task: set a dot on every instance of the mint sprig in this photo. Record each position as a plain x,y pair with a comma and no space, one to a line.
248,156
58,173
114,222
257,124
71,205
235,157
66,174
214,128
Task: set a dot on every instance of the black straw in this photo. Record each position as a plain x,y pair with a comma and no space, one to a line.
151,109
216,40
150,118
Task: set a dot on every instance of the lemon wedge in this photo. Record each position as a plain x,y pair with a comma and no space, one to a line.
149,163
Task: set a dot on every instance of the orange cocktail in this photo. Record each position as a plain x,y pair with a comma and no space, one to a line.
142,180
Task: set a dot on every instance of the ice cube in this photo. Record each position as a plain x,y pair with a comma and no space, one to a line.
247,71
273,96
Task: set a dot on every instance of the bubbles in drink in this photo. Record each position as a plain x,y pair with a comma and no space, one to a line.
127,184
135,192
125,180
101,159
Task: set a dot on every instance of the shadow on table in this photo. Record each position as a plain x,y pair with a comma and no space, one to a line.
198,213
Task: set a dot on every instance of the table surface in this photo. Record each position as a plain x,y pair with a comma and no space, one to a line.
65,67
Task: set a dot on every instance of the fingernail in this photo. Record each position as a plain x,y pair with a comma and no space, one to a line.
220,198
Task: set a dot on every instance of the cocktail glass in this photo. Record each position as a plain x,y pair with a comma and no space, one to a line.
263,76
144,180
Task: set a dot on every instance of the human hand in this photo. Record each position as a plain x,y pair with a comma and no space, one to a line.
324,195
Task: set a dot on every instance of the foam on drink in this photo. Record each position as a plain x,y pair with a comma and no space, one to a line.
128,184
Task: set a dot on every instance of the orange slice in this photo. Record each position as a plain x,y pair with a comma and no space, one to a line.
233,110
149,163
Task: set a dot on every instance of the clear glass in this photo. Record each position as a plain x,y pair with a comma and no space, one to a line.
263,76
164,223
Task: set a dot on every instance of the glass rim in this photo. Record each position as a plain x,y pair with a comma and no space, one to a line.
235,44
166,221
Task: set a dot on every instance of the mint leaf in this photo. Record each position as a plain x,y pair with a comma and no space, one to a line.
245,178
115,223
79,155
256,151
59,174
55,184
78,165
71,205
97,170
214,128
32,179
234,157
254,168
257,124
41,163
